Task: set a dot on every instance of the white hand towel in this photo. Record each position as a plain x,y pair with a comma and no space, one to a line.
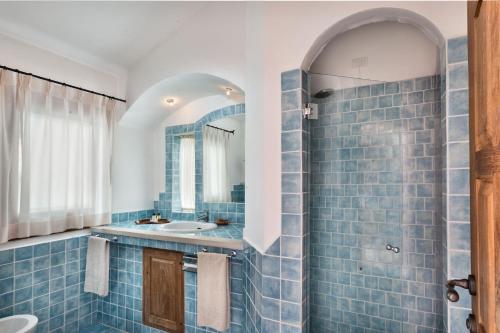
97,269
213,291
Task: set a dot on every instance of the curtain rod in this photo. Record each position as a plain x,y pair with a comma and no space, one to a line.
221,129
61,83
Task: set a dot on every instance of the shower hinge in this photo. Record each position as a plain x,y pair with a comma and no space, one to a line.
310,111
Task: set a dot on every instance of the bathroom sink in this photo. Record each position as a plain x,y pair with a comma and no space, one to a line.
188,226
18,324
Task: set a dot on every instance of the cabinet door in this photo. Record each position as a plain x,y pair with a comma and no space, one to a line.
163,290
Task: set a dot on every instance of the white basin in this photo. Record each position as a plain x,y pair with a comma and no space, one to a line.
188,226
18,324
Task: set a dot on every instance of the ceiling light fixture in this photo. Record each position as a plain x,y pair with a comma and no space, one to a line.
169,101
228,91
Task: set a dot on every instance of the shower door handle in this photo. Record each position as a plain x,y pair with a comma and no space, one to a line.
469,283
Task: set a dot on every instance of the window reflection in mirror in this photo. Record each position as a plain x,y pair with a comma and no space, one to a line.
183,173
224,160
187,173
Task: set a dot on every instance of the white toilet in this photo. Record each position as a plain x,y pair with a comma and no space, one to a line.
18,324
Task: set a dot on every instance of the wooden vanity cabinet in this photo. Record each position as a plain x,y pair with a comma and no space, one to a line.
163,290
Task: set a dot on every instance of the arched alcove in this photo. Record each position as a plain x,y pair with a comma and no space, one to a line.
151,109
375,52
372,16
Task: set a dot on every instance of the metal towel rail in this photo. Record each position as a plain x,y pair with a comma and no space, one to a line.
190,263
112,239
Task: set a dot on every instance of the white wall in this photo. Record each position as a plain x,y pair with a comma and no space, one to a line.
393,52
17,54
211,42
132,179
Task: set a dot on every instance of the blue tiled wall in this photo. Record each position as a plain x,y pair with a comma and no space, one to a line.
131,216
122,308
47,280
456,203
376,170
169,203
274,299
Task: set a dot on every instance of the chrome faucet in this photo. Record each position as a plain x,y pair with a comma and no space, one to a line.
202,216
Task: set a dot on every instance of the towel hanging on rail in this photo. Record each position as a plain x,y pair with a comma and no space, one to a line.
213,291
97,268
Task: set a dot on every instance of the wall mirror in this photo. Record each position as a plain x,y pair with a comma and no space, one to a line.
205,167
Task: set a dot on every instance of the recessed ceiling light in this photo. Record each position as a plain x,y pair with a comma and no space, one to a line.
228,91
169,101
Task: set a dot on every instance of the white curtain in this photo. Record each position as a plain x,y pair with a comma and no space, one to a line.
187,172
55,148
215,171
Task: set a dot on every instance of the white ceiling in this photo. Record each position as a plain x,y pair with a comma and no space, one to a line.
120,33
150,110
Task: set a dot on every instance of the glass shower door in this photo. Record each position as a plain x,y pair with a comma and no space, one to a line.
356,206
376,263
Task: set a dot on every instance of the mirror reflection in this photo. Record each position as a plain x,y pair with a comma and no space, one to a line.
186,174
224,160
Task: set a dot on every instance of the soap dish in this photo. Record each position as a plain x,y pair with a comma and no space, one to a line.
222,222
148,221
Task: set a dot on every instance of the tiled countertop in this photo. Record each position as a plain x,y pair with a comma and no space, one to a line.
230,236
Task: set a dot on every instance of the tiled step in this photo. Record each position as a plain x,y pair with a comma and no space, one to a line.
239,187
238,193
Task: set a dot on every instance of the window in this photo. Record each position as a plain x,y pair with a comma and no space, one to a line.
60,182
55,158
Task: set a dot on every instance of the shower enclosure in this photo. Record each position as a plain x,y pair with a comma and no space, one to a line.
375,262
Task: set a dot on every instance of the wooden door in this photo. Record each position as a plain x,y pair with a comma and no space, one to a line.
163,290
484,108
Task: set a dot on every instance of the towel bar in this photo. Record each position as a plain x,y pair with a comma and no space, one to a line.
191,259
232,254
113,239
